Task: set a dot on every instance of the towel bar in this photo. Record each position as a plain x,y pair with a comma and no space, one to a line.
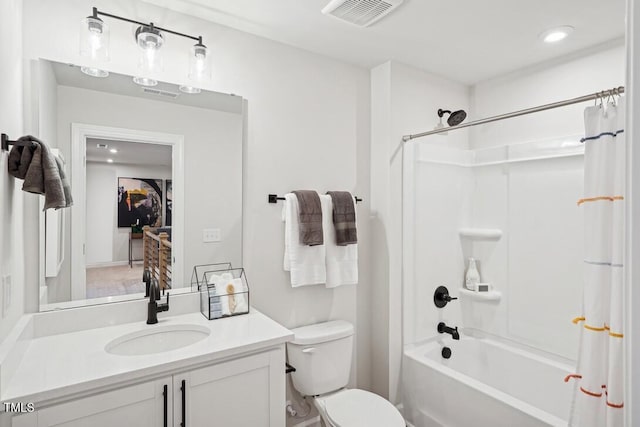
273,198
6,142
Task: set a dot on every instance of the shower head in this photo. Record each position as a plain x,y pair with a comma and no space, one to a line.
455,118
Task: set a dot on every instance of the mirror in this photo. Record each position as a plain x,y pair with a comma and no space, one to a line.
136,156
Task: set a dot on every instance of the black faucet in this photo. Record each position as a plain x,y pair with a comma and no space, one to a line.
442,328
153,306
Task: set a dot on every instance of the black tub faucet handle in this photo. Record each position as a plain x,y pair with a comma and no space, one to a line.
441,296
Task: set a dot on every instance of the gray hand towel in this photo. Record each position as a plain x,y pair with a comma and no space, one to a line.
43,177
65,183
344,217
309,217
19,160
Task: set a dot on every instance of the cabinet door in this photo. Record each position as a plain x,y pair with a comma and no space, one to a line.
140,405
249,391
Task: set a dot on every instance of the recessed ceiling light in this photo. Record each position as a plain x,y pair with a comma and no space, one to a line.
113,150
109,160
556,34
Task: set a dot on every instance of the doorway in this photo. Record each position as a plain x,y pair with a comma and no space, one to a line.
105,253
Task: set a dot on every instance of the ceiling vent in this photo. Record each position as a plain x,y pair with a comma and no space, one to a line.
360,12
162,93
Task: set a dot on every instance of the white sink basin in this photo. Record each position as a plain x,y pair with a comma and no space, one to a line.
157,339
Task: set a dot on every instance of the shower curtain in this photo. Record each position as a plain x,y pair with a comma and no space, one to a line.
598,399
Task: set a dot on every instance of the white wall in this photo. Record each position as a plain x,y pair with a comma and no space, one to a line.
12,199
308,127
106,243
632,211
548,82
404,101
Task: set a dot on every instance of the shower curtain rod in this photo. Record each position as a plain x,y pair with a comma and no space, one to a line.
591,97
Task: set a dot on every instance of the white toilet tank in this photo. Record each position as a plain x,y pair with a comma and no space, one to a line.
321,354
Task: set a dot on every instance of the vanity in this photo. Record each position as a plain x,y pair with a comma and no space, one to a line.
104,366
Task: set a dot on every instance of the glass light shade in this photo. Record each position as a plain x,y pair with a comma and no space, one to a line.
199,63
145,81
94,72
190,89
149,40
94,39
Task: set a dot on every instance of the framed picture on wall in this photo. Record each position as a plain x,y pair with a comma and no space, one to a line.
168,191
139,202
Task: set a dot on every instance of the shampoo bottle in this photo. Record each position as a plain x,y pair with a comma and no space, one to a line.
472,277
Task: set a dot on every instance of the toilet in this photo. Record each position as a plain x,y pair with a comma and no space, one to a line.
321,354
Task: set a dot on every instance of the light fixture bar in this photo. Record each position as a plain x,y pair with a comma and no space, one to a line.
96,12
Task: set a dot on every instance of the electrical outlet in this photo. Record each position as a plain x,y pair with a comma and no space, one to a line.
211,235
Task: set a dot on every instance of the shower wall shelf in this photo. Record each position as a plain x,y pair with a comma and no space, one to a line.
480,296
480,233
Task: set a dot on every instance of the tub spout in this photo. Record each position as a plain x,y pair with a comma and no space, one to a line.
444,329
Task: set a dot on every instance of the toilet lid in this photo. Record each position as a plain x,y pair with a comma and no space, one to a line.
352,408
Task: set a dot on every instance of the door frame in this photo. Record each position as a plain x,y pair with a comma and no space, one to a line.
80,132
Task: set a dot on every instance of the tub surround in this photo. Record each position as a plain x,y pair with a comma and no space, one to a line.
45,364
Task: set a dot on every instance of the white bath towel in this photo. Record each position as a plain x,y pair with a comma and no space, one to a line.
342,261
306,263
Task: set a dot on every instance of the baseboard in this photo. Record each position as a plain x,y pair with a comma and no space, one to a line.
311,422
108,264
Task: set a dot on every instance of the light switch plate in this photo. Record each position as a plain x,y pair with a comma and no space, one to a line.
211,235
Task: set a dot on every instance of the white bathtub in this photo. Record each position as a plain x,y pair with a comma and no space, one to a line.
485,383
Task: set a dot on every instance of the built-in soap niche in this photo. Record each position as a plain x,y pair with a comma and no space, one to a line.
479,244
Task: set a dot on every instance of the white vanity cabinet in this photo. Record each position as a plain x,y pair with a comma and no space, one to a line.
138,405
245,391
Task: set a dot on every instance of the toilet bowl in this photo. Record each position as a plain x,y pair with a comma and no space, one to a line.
321,354
357,408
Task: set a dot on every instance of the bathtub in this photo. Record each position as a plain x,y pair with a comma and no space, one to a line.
485,383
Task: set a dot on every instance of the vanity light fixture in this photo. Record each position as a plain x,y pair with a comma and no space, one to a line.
557,34
94,43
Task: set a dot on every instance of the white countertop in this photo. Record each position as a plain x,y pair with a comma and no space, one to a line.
62,365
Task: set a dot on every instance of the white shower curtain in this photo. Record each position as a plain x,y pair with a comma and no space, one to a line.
598,399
